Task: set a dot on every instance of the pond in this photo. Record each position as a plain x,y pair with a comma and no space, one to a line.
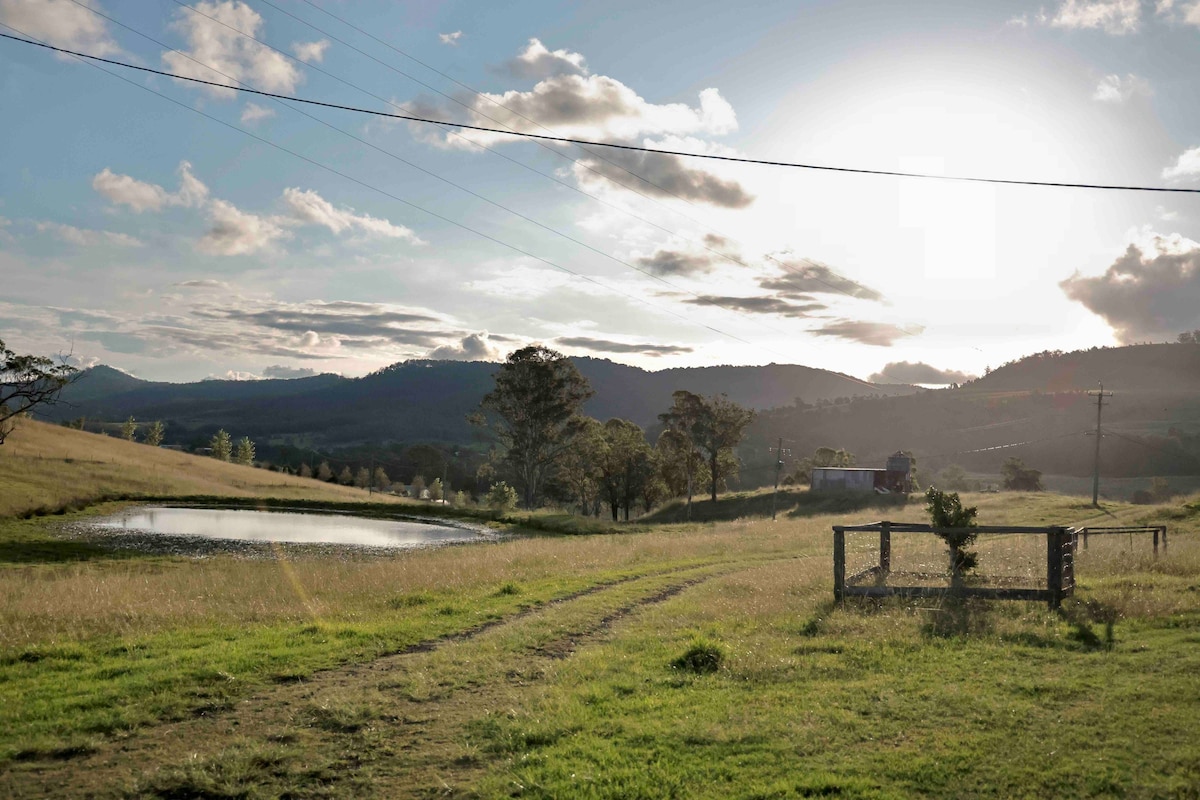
287,526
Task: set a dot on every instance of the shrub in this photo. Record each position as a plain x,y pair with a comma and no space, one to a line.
702,657
502,497
1018,477
946,511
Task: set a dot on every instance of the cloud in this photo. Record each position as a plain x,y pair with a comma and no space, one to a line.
234,58
918,372
1116,17
361,324
597,106
233,375
1186,13
282,372
1187,167
609,346
205,284
576,104
804,277
141,196
169,324
1150,293
879,334
81,362
662,176
677,262
309,52
756,305
450,38
62,23
252,112
473,347
88,238
308,207
1115,89
537,61
235,232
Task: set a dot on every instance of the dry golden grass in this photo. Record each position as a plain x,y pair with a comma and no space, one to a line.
48,466
81,600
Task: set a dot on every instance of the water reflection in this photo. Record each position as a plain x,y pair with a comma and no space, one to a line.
285,526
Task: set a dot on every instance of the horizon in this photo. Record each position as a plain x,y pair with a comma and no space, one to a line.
175,237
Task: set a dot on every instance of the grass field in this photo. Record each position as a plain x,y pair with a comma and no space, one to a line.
48,468
670,659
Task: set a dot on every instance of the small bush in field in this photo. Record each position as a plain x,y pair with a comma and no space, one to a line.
702,657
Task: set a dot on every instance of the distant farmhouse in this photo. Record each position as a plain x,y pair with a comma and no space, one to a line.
895,479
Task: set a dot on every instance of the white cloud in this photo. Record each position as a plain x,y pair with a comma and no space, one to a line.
252,112
230,57
1187,167
142,196
62,23
597,107
308,207
1186,13
1116,17
235,232
1117,89
309,52
537,61
473,347
233,375
88,238
284,372
450,38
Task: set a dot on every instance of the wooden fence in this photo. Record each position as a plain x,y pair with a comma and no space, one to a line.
1158,531
1060,565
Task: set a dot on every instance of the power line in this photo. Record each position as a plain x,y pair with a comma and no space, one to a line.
613,145
648,274
417,167
366,185
580,163
1003,446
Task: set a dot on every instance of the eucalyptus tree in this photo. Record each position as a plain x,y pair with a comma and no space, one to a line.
535,413
26,382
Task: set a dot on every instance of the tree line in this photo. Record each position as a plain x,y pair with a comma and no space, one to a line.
549,449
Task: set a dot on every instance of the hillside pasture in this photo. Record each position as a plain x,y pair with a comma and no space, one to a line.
554,666
48,468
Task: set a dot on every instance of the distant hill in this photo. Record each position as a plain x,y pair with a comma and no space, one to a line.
1037,409
1159,368
420,400
46,468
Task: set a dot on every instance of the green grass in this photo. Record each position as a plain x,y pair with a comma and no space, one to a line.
680,660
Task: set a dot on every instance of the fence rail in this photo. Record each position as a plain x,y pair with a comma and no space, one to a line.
1060,565
1158,531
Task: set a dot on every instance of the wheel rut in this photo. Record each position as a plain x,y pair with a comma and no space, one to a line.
427,692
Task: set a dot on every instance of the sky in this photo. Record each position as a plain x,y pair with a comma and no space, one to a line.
179,231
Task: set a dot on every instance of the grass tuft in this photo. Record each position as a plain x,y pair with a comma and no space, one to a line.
702,657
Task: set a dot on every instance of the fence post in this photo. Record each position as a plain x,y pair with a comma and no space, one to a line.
885,549
839,563
1156,542
1054,567
1085,532
1164,530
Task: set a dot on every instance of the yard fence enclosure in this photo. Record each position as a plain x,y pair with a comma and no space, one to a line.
1157,531
1014,563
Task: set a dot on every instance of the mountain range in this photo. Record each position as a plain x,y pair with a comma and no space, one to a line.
425,401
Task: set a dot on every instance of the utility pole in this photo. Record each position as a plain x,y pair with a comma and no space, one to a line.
1099,394
778,468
